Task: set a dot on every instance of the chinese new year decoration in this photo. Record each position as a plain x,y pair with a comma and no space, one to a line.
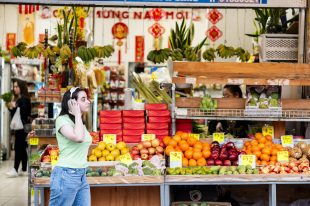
214,33
156,30
119,32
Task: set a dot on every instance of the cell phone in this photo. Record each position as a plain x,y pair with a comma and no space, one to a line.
70,106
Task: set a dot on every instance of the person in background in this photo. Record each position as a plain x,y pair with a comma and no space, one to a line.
21,99
68,184
240,128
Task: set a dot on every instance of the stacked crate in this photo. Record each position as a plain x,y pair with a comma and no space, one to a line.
133,125
159,120
184,125
111,122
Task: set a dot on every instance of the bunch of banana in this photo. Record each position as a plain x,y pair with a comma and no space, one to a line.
86,54
104,51
49,53
209,54
33,52
56,50
191,55
159,56
65,53
177,55
16,52
225,51
243,55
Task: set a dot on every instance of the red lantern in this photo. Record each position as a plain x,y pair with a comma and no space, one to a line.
119,31
156,30
157,14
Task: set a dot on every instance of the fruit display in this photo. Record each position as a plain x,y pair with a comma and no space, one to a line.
43,173
227,154
49,151
263,97
95,137
207,103
297,167
34,158
108,152
301,151
263,148
159,56
195,152
212,170
147,149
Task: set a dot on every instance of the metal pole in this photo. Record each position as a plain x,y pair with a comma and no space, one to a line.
301,36
272,195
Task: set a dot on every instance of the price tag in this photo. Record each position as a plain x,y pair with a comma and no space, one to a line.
175,159
147,137
287,141
268,130
247,160
219,137
196,136
125,158
32,192
181,111
109,138
54,159
190,80
33,141
282,156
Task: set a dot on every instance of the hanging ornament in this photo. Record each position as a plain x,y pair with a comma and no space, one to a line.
20,9
214,16
157,14
156,30
119,32
214,33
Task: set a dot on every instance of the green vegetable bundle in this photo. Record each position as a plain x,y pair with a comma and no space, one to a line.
7,97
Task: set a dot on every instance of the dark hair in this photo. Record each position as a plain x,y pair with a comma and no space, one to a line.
23,88
234,89
64,103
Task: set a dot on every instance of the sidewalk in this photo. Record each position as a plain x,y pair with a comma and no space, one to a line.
13,191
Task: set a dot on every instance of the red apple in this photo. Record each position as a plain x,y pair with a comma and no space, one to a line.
155,142
159,149
46,158
144,151
144,156
135,152
161,144
146,144
136,157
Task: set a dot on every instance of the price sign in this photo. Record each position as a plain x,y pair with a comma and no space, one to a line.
54,159
268,130
181,111
109,138
175,159
247,160
196,136
282,156
287,141
33,141
147,137
190,80
125,158
219,137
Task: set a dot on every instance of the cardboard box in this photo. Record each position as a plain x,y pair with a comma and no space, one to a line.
159,119
112,131
132,138
110,113
111,126
133,120
156,106
158,132
133,113
184,126
129,132
109,120
134,126
158,113
157,126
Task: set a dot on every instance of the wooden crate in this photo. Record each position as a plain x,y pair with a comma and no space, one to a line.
296,104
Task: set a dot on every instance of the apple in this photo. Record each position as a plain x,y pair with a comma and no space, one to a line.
161,144
210,162
227,163
140,146
46,158
135,157
151,150
146,144
155,142
135,148
144,151
134,152
160,149
144,156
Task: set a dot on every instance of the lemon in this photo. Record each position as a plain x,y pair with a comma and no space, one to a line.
101,146
115,152
109,157
102,159
97,153
92,158
124,150
105,152
121,145
110,146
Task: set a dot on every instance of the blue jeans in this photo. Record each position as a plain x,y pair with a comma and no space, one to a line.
69,186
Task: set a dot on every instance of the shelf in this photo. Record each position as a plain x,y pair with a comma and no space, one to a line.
114,180
229,179
239,114
242,73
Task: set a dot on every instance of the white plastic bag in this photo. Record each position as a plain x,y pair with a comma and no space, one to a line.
16,123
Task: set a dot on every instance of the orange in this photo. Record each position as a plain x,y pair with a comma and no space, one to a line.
255,148
190,148
179,133
247,143
206,153
184,162
177,149
254,142
268,137
263,162
274,152
192,162
191,141
265,157
257,154
258,162
201,162
273,158
258,135
261,146
266,151
181,142
184,136
166,140
196,150
188,154
198,145
177,138
197,155
249,151
262,140
206,145
184,146
268,144
278,146
173,143
169,149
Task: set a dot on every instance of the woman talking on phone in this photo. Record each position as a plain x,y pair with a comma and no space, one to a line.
69,185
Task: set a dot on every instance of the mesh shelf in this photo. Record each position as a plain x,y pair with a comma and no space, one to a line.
241,114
